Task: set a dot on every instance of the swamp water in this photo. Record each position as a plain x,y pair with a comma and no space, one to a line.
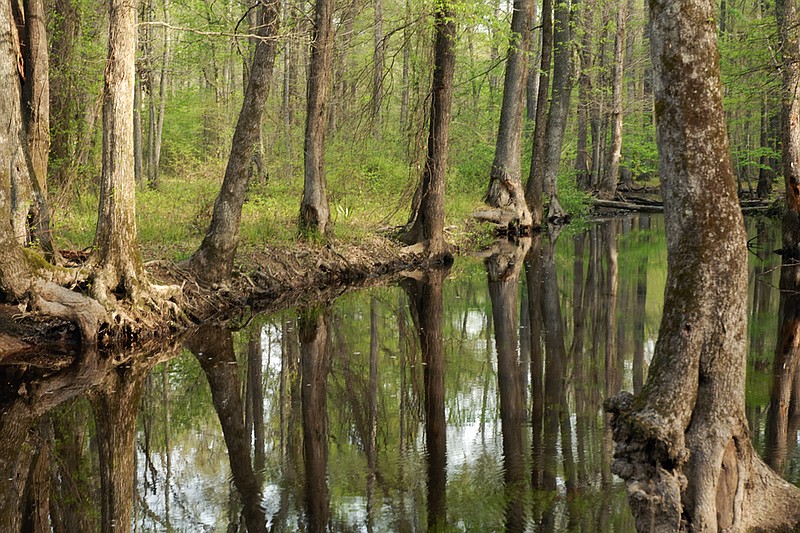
460,400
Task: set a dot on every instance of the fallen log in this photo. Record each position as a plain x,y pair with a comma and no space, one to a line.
613,204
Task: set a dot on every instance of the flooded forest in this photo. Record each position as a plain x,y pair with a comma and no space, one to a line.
399,265
468,397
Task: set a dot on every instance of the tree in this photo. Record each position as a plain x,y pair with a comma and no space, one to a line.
535,184
559,105
683,444
608,186
426,224
505,184
783,400
314,211
213,260
116,259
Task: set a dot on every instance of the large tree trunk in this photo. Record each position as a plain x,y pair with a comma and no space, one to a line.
535,185
314,210
15,274
505,184
116,256
559,104
213,261
683,444
426,224
36,94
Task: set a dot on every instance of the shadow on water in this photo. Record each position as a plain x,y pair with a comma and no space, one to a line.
467,399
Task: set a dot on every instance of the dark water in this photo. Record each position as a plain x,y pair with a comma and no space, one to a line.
462,400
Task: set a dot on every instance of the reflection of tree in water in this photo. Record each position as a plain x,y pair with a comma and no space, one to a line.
503,267
784,409
426,304
213,348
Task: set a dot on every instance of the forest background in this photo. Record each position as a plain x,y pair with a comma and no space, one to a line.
192,63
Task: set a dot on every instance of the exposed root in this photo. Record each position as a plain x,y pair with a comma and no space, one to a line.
57,301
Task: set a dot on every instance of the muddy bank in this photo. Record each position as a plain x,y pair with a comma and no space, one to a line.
264,280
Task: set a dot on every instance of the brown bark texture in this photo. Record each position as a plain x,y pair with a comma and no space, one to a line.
426,224
116,257
505,184
608,186
535,185
314,210
683,444
213,260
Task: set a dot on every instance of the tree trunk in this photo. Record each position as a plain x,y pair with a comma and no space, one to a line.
582,160
505,184
426,224
559,105
158,123
15,274
683,444
36,94
213,261
314,210
116,256
608,186
535,185
377,69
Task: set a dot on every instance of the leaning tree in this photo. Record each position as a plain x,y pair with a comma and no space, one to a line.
683,444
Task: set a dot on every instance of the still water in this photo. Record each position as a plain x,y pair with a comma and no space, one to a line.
461,400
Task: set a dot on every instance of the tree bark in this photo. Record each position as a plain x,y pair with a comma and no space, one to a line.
505,184
426,224
683,444
377,69
314,209
535,185
116,257
582,160
559,105
213,260
36,94
608,186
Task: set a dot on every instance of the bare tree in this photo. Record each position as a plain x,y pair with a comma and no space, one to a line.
213,260
683,444
426,224
314,210
505,184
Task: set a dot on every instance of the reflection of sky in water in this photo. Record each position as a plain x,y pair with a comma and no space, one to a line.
201,473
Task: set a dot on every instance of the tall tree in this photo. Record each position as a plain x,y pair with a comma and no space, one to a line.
608,186
534,186
314,211
683,444
377,68
505,184
213,260
426,224
116,258
36,94
559,104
